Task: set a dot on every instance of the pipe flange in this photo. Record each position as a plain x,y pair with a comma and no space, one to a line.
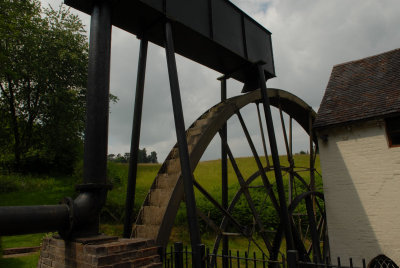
66,233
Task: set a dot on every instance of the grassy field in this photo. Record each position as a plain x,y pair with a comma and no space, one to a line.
32,190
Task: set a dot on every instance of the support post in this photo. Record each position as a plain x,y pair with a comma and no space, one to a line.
275,159
182,145
135,138
224,175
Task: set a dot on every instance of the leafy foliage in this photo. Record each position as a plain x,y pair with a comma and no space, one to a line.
43,76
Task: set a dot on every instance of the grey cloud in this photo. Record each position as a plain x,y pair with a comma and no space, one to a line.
309,37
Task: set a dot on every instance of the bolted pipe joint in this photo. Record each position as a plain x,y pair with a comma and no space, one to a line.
84,211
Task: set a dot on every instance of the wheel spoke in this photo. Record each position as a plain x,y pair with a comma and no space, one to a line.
241,229
303,255
209,221
288,152
247,195
217,205
312,178
291,135
285,138
264,178
199,135
325,247
302,181
262,135
313,229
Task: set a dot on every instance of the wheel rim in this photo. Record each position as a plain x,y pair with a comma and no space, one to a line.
163,201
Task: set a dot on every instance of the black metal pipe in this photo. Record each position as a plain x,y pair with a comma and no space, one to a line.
275,159
79,217
97,96
16,220
93,191
182,144
134,152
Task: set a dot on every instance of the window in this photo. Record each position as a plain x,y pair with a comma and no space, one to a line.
393,131
381,261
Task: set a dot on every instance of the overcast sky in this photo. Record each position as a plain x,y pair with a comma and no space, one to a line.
309,38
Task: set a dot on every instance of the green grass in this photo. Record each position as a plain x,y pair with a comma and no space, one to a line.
35,190
29,240
19,190
20,262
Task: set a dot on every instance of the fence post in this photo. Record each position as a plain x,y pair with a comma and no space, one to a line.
161,252
178,252
201,249
292,258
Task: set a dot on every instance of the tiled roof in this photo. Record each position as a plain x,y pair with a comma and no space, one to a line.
362,89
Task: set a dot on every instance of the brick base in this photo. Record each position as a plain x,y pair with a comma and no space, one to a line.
99,251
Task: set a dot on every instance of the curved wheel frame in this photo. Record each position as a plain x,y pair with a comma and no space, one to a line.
156,217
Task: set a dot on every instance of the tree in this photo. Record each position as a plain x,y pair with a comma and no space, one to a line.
153,157
43,75
142,157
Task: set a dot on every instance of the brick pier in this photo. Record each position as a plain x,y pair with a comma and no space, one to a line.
100,251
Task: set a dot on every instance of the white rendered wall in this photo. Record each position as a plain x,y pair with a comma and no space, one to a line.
361,177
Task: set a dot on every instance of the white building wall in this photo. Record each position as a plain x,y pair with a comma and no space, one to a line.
361,177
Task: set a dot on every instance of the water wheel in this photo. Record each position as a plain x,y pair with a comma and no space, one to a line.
306,209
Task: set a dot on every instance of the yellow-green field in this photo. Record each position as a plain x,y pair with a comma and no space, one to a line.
31,190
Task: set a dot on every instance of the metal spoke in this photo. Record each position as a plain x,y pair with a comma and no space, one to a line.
325,248
320,231
264,178
312,178
209,221
289,154
313,229
303,255
262,135
247,196
291,135
217,205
